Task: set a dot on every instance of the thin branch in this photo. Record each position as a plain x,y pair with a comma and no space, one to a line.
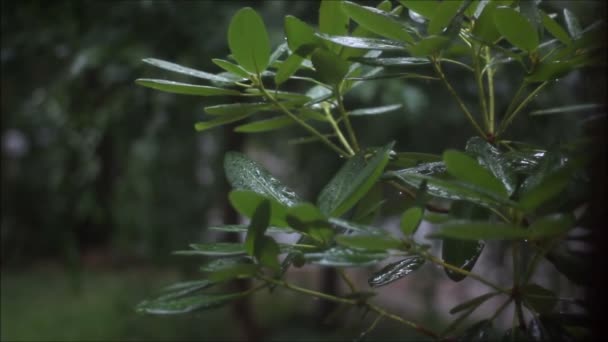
344,114
339,134
411,324
507,120
467,113
490,77
302,123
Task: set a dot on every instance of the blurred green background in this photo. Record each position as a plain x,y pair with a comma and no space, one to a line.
102,179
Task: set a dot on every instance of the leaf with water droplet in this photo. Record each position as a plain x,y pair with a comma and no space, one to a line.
345,257
353,181
369,242
492,159
185,70
187,304
246,174
395,271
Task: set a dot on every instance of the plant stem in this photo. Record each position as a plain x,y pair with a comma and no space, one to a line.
309,292
371,327
490,76
447,60
333,124
479,278
347,280
501,308
482,92
507,120
394,317
344,114
302,123
370,306
463,107
410,193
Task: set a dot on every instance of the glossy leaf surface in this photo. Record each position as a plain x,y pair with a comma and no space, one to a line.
248,40
395,271
184,88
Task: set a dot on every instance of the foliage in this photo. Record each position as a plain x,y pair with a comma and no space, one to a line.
496,189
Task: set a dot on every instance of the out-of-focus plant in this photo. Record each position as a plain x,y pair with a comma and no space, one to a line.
526,195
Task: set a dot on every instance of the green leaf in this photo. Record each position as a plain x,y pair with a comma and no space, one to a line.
237,108
364,43
451,189
481,230
392,61
551,225
572,24
332,19
411,159
424,8
187,304
539,298
462,253
298,33
369,242
242,228
591,107
330,68
428,45
257,227
185,70
248,40
271,124
309,220
549,187
246,201
226,263
552,70
344,257
235,271
353,181
219,248
472,303
231,68
492,159
574,266
184,88
376,110
267,252
516,28
395,271
442,16
467,169
244,173
355,227
377,21
485,27
555,29
220,120
288,68
411,220
182,289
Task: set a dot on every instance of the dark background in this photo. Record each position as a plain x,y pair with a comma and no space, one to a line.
102,179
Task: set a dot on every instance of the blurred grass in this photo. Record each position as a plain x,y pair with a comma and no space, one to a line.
42,304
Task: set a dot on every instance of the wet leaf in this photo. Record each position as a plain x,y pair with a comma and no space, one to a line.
186,305
185,70
344,257
377,21
216,249
184,88
555,29
392,61
395,271
244,173
242,228
467,169
330,68
369,242
220,121
461,253
375,110
232,68
492,159
364,43
353,181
